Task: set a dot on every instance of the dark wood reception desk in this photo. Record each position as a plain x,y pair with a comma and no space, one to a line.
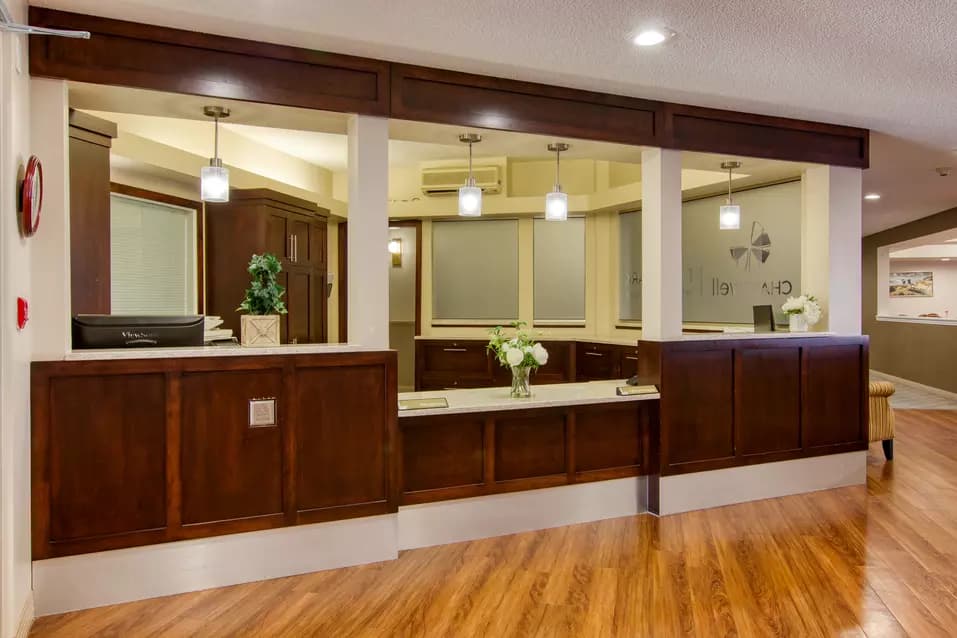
130,452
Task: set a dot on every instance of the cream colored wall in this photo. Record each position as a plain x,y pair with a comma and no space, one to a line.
15,345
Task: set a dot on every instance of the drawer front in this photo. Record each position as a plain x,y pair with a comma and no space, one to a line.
455,356
628,356
595,361
451,381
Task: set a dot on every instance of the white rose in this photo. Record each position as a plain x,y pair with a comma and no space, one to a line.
514,357
506,347
540,354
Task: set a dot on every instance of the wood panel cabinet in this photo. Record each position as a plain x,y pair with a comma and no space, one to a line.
134,452
446,456
442,364
732,402
90,142
255,221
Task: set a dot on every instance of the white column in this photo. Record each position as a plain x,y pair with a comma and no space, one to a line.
50,254
660,244
368,255
831,245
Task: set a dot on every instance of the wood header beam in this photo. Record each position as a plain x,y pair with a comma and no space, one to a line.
163,59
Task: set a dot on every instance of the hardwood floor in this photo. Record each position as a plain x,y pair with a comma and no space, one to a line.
880,561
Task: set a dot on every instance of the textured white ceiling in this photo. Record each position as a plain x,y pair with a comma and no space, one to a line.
888,65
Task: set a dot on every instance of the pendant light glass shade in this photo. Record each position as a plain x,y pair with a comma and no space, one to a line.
214,179
729,215
470,195
729,218
556,206
556,202
470,200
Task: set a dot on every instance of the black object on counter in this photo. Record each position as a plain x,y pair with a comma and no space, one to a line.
135,331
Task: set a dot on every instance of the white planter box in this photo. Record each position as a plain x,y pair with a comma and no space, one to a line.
259,330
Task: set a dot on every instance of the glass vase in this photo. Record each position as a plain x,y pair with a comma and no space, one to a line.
520,382
797,323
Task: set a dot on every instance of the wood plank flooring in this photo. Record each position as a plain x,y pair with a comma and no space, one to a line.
875,561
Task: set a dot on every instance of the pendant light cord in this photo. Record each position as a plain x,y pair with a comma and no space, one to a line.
558,164
729,186
216,137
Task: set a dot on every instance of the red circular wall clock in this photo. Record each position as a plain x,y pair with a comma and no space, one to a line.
31,197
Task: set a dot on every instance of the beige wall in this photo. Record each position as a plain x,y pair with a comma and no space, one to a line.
15,346
923,353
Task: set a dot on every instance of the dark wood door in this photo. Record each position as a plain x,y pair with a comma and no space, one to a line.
317,244
277,239
299,303
299,229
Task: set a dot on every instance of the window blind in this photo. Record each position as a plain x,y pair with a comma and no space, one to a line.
152,257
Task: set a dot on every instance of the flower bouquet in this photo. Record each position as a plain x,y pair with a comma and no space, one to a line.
520,353
802,312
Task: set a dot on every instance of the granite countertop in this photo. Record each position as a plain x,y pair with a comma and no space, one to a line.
543,396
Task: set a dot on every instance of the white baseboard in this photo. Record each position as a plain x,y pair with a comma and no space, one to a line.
486,516
716,488
27,616
106,578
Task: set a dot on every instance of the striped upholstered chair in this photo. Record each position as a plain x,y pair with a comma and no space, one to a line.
882,416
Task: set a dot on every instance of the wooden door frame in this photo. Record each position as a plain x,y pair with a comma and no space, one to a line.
417,225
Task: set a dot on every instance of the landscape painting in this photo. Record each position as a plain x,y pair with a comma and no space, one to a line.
912,284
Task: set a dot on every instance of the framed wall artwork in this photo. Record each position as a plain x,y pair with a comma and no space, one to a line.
912,284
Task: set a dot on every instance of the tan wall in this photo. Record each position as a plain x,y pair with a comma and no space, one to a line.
923,353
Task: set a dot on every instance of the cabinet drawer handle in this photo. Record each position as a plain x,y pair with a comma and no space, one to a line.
595,354
454,349
631,358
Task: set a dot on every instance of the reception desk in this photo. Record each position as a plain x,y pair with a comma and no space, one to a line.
139,447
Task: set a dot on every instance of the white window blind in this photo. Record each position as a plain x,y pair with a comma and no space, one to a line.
475,270
152,257
560,270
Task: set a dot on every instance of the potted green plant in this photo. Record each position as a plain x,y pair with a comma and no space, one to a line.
263,303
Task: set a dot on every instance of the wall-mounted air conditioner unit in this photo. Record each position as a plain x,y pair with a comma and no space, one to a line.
448,180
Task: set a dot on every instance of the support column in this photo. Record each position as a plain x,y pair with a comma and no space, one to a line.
661,303
831,245
50,254
368,255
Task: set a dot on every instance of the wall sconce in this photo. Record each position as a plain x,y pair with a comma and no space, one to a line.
395,249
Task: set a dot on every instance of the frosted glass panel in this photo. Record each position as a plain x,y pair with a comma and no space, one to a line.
629,278
475,270
560,270
152,258
725,272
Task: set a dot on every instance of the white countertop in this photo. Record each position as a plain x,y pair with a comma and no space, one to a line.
108,354
543,396
615,341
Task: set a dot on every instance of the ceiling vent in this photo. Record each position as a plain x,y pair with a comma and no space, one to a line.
448,180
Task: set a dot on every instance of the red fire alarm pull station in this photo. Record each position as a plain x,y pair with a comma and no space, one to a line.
23,313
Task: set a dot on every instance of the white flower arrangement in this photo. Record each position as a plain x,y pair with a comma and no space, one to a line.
806,305
519,351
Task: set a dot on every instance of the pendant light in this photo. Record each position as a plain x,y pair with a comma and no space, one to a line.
214,179
729,217
556,202
470,195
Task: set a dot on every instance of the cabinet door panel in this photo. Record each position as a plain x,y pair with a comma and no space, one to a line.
107,446
230,470
341,436
299,304
629,361
767,386
299,231
277,239
833,396
317,244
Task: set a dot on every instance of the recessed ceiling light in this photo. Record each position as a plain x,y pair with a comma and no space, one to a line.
872,196
653,37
